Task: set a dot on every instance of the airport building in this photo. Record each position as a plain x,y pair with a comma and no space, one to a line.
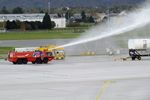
60,22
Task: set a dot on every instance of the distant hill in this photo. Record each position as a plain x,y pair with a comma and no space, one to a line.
65,3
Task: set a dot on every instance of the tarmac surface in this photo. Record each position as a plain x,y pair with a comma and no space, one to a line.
77,78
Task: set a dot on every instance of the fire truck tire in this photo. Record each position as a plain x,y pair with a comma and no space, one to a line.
19,61
24,61
62,58
14,62
45,60
38,61
33,62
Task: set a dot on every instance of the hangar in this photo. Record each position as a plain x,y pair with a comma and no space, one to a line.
60,22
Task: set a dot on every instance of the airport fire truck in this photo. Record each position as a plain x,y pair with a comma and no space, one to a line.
25,55
139,48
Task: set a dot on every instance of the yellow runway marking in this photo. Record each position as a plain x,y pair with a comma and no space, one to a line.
104,87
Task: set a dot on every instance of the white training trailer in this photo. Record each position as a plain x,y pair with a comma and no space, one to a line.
138,48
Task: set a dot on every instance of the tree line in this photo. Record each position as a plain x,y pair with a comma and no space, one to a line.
16,10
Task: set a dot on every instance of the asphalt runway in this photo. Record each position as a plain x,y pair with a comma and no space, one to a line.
76,78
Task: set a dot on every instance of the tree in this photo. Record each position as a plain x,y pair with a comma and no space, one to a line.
59,15
17,10
11,25
67,15
8,25
83,15
91,19
47,22
53,24
4,10
23,26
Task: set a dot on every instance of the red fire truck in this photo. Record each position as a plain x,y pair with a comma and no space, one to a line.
35,57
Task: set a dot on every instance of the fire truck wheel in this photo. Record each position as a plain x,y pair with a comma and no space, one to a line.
14,63
38,61
24,61
45,60
33,62
19,61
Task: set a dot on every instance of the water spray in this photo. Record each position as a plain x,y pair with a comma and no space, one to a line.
131,21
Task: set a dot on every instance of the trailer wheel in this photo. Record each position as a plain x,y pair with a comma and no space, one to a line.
33,62
24,61
38,61
139,58
133,58
19,61
45,60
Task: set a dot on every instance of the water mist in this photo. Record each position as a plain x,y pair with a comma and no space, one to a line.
115,26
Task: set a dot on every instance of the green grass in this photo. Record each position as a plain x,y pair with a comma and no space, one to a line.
29,35
4,51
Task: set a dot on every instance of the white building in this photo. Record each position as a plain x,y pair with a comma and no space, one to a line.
60,22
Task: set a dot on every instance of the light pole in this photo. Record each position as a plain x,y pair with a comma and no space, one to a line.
49,6
108,13
108,9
